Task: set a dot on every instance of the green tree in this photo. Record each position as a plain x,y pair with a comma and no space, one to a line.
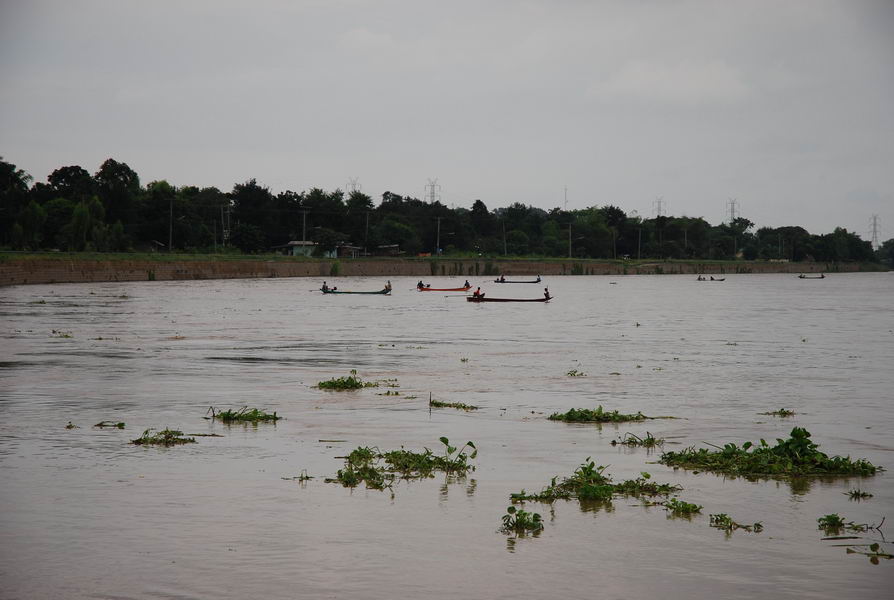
13,198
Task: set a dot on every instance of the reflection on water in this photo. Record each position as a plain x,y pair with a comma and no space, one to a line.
85,514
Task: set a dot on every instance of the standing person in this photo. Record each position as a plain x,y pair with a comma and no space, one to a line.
325,287
546,293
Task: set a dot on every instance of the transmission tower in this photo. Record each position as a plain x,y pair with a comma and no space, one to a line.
874,230
733,209
354,185
433,191
659,206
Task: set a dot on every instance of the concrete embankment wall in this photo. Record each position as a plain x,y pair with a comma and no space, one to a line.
30,270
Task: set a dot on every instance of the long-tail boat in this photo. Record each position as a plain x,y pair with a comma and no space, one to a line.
384,292
465,288
820,276
502,280
489,299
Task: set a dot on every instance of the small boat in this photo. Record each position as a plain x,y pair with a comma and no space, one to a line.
331,291
431,289
504,280
803,276
488,299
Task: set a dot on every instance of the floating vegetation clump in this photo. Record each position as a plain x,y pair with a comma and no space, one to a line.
782,412
378,469
576,373
165,437
630,439
71,425
587,415
456,405
521,521
389,393
103,424
874,552
857,494
681,508
243,415
589,482
464,359
724,522
834,524
795,456
350,382
62,334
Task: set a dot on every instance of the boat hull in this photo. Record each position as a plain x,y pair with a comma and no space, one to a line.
507,281
461,289
474,299
380,292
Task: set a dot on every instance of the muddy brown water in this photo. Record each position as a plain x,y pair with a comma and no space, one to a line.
85,514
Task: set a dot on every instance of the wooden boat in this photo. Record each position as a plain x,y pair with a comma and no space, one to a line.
803,276
431,289
381,292
510,281
488,299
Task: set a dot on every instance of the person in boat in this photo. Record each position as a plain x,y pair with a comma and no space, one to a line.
538,279
420,285
712,278
546,293
477,293
388,285
502,278
325,287
467,284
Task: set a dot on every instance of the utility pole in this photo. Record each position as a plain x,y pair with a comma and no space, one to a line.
659,206
639,244
171,225
505,251
366,235
569,240
303,228
873,223
566,198
438,239
433,191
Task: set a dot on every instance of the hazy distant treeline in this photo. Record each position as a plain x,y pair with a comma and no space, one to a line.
111,211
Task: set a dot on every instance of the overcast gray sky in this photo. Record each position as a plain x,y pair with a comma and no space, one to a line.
787,106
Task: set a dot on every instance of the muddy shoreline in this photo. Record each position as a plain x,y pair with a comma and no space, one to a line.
61,269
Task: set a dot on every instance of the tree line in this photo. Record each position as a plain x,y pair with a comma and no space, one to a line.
110,211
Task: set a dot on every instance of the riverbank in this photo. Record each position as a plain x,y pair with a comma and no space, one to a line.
20,269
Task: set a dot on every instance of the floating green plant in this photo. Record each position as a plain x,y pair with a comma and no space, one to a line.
795,456
62,334
117,424
782,412
679,507
379,469
389,393
630,439
464,359
875,552
589,482
457,405
521,521
350,382
833,524
587,415
724,522
71,426
243,415
165,437
576,373
857,494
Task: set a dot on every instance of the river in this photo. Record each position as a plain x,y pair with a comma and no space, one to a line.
86,514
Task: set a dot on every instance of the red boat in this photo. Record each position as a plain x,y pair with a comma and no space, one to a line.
431,289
